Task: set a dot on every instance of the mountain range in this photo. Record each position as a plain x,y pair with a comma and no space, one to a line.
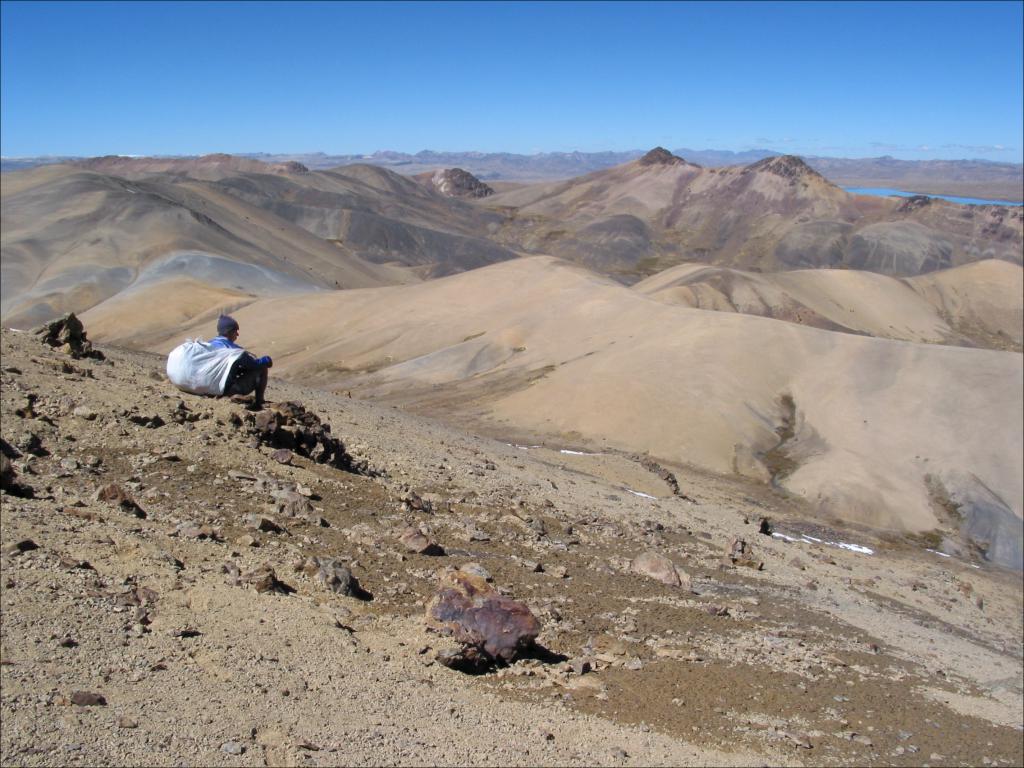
970,178
862,353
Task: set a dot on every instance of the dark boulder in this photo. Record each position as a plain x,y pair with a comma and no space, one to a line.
492,627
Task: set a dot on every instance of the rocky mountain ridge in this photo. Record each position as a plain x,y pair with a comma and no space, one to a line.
972,178
639,218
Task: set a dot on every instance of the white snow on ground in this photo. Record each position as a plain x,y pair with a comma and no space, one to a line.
783,536
943,554
806,539
638,493
852,547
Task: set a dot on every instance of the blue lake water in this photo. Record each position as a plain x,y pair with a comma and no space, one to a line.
884,192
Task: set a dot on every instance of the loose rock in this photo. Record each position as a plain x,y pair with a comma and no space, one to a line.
491,626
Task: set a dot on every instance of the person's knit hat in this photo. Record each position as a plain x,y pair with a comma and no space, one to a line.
226,324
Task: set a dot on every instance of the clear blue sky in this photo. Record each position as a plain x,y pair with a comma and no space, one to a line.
913,80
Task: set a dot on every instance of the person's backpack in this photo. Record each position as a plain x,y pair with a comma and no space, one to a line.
198,368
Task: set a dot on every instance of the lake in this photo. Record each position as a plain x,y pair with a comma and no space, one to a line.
884,192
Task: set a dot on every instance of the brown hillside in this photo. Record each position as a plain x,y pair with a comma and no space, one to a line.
636,219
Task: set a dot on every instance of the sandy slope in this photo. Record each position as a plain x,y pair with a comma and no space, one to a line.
984,298
978,303
883,432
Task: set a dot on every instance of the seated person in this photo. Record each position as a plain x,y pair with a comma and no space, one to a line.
248,373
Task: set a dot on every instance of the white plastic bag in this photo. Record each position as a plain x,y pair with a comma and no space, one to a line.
198,368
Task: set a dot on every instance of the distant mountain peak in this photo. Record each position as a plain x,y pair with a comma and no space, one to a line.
786,166
219,160
661,156
455,182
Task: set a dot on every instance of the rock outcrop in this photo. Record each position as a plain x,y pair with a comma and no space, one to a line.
289,425
661,156
68,334
455,182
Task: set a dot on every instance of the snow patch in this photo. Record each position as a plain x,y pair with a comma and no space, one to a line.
808,539
640,494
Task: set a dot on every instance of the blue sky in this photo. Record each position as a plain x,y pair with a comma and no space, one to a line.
912,80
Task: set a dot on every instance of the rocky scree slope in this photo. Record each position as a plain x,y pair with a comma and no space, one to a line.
165,597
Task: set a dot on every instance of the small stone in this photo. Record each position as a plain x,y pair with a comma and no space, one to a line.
88,699
657,567
232,748
477,570
189,531
115,494
581,666
245,540
25,545
261,523
332,575
282,456
84,412
126,722
739,552
263,579
415,541
634,664
618,753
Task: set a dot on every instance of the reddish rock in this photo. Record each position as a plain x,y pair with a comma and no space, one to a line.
490,625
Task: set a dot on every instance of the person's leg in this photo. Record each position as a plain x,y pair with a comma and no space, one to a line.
261,387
